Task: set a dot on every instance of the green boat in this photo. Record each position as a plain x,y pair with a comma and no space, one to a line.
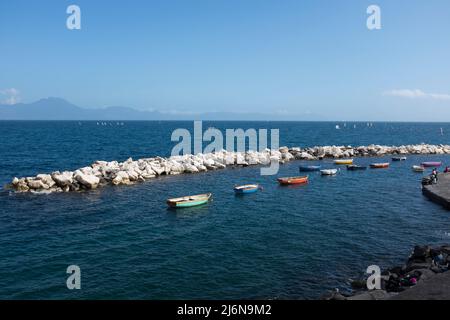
189,201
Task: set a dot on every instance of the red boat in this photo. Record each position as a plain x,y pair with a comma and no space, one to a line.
293,180
379,165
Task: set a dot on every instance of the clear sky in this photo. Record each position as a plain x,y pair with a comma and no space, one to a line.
283,56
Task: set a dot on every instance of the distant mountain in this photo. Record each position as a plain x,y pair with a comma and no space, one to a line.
60,109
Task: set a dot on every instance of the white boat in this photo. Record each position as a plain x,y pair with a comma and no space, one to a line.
189,201
418,168
328,172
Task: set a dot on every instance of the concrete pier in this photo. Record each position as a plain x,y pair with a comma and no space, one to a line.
439,193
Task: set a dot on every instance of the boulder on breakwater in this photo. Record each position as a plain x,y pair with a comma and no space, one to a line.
102,173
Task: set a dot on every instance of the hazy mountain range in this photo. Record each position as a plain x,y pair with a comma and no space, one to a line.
60,109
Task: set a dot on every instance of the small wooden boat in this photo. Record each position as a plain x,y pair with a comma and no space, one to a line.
398,158
379,165
310,168
189,201
355,167
418,168
329,172
293,180
431,164
343,161
247,188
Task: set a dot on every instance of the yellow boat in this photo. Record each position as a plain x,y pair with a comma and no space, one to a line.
343,161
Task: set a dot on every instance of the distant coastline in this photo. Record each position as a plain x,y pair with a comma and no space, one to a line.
57,109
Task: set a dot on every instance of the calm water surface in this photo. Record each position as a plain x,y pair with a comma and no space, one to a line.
283,242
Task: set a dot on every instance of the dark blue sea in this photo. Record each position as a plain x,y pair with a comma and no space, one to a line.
280,243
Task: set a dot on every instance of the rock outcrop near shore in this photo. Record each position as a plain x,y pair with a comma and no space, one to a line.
424,276
102,173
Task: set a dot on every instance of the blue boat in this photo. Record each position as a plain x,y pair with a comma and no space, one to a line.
310,168
248,188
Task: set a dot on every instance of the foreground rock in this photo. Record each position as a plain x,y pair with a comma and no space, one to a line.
102,173
424,276
436,287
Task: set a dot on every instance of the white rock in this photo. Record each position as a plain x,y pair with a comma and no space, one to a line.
252,158
274,159
88,180
287,156
148,174
189,168
208,162
46,179
63,179
240,159
304,156
264,158
275,153
132,175
157,169
229,159
178,168
121,177
99,164
36,184
284,149
220,165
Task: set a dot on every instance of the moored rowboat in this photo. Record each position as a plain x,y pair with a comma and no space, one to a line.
189,201
310,168
379,165
431,164
399,158
293,180
355,167
248,188
328,172
418,168
343,161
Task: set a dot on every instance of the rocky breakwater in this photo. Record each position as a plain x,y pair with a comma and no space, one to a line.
102,173
424,265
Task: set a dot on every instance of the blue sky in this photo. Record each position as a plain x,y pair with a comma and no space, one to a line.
291,57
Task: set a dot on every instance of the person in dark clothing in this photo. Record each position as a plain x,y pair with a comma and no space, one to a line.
434,175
